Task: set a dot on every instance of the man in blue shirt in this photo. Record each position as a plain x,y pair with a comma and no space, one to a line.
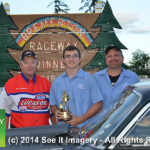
85,99
113,80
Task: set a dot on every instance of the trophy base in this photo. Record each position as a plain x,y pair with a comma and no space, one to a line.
65,117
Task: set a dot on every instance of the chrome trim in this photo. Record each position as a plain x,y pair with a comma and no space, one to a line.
137,93
100,146
128,127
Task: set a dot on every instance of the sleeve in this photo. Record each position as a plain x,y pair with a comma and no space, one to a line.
1,102
53,95
51,114
95,92
4,99
137,78
49,87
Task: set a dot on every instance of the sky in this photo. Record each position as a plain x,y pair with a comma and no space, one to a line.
132,15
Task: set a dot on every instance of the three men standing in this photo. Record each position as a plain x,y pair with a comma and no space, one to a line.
23,93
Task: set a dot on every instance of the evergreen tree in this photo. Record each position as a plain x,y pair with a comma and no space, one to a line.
58,4
6,41
105,38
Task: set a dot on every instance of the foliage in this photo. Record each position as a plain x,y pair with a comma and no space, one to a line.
58,4
90,4
140,63
106,21
7,63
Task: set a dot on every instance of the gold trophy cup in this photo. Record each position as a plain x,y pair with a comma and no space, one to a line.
65,112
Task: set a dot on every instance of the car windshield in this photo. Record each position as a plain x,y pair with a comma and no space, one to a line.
103,124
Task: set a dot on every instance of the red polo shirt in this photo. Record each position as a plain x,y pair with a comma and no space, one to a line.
27,101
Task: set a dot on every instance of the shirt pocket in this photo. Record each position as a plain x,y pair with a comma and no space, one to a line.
78,95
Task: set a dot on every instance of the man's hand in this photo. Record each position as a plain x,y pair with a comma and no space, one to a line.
75,121
53,119
58,115
96,108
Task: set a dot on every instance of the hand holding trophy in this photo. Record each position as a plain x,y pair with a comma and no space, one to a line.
65,112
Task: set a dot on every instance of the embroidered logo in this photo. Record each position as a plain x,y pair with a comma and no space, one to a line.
80,86
38,103
28,52
40,96
125,85
22,108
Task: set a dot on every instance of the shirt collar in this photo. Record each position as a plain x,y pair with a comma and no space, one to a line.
124,72
78,74
26,79
103,72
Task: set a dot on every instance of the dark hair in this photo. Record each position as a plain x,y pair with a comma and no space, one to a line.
71,48
113,47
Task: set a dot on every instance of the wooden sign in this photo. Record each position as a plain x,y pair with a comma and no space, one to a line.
47,35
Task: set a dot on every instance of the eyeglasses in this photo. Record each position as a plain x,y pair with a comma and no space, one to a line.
74,56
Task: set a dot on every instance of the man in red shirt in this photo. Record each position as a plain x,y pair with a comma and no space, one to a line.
25,97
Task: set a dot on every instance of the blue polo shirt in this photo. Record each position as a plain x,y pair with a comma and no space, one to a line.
110,93
82,90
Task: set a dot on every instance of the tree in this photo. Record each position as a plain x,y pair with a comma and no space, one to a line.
140,63
58,4
90,4
105,38
6,40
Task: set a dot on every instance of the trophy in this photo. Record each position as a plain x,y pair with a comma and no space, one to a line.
65,112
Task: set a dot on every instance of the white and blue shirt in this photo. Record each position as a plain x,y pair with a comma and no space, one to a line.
82,90
110,93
